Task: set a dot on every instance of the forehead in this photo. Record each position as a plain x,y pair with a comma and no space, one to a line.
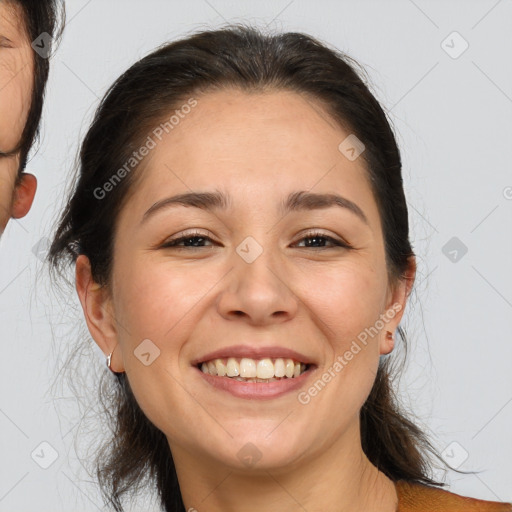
12,22
230,117
275,134
257,147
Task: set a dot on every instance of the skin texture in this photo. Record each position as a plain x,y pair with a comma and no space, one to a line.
258,148
16,78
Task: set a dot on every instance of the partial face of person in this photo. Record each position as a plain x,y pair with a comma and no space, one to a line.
277,273
16,81
16,76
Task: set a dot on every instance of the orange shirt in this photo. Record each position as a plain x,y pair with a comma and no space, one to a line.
413,497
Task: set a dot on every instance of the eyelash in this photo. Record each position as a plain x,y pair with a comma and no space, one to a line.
309,235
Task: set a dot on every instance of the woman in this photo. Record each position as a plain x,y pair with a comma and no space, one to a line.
240,238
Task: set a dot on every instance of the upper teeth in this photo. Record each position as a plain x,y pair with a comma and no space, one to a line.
251,368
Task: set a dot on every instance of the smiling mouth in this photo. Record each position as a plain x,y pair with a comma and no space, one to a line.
254,370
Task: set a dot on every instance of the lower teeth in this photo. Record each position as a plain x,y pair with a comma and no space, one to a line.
242,379
204,368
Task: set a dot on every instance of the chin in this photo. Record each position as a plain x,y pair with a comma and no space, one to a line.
261,451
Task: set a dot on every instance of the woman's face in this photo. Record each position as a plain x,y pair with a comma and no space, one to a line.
16,77
255,283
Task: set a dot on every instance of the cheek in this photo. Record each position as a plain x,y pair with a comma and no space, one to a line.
15,99
159,301
347,301
347,305
347,298
8,171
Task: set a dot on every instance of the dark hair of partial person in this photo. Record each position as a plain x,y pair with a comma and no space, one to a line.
244,57
39,16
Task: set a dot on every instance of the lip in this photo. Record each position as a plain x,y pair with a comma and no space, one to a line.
257,390
240,351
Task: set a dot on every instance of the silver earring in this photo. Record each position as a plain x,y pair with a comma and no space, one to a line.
109,362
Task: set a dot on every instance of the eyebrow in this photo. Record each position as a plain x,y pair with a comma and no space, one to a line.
296,201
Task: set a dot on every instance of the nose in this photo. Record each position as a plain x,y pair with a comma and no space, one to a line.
258,292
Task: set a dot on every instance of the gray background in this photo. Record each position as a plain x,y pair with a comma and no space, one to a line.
453,121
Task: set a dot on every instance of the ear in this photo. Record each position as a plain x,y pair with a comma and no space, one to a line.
398,294
23,196
98,311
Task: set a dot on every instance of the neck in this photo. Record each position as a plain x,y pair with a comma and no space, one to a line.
341,478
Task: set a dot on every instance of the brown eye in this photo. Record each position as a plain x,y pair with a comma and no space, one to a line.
194,239
321,238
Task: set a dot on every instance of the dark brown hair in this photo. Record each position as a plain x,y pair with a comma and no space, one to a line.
243,57
38,17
